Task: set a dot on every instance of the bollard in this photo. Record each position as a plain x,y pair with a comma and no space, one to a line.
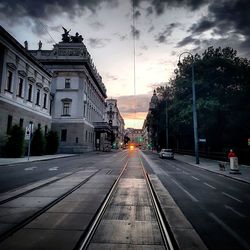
234,166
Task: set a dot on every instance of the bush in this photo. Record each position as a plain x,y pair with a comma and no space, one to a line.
14,146
37,143
52,142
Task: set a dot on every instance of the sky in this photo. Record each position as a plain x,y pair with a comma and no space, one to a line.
161,31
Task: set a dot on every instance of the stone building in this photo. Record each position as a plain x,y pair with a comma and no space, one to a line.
79,95
149,130
115,120
25,88
135,135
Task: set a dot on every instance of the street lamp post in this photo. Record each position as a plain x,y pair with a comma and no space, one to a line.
166,123
196,143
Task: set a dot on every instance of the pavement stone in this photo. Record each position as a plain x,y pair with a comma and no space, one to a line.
213,166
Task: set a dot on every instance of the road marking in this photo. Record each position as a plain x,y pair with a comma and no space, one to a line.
240,241
53,169
184,172
123,158
236,212
209,185
232,197
195,178
30,168
184,190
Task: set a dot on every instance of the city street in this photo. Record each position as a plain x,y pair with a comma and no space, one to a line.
17,175
217,206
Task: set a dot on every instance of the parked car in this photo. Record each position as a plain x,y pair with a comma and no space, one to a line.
166,153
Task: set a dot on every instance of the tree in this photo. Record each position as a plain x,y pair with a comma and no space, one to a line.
52,142
37,142
15,144
223,103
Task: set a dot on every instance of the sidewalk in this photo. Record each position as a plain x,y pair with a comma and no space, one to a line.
8,161
213,166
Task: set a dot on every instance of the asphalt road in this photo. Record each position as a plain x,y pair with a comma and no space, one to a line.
18,175
218,207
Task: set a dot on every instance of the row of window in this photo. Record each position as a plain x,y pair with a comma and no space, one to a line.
87,112
20,90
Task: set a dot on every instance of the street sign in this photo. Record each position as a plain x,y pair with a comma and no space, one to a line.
27,133
202,140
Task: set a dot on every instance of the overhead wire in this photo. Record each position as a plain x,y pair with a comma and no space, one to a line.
134,58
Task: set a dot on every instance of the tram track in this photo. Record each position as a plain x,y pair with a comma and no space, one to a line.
168,239
33,216
35,188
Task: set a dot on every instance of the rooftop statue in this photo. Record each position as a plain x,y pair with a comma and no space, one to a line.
76,38
65,36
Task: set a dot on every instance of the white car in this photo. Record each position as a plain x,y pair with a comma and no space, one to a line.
166,153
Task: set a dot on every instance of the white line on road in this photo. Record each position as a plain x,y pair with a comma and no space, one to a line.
53,169
236,212
240,241
195,178
209,185
232,197
30,168
184,172
184,190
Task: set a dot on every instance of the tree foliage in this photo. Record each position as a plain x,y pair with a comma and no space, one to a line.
52,142
37,143
222,81
15,144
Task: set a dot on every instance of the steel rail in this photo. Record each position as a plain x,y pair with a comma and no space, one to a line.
26,221
35,188
165,232
85,240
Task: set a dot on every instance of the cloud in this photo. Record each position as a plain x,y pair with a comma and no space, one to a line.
137,14
132,104
149,11
134,116
203,25
56,28
188,40
98,42
151,28
135,32
227,20
121,37
144,47
159,6
47,9
167,32
96,25
111,77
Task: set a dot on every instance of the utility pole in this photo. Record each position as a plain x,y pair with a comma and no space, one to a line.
196,143
166,123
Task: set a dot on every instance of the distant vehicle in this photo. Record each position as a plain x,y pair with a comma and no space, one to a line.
166,153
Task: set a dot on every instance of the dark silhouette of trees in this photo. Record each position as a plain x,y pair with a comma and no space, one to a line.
222,82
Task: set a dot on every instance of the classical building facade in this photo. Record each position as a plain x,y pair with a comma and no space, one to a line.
135,135
115,120
25,88
79,95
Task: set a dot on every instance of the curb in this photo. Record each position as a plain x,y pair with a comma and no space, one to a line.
211,171
45,159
